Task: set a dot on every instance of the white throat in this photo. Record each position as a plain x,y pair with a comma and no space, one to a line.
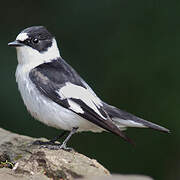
31,58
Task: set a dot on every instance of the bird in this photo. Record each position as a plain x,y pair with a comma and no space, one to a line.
55,94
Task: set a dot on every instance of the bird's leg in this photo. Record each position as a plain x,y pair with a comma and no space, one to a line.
64,144
51,142
54,146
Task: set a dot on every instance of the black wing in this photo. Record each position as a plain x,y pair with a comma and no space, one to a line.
51,77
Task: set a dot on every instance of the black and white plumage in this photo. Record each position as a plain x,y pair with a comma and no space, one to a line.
55,94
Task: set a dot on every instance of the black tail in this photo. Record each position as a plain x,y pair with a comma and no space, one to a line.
124,117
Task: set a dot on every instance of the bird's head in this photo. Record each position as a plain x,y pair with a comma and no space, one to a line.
35,45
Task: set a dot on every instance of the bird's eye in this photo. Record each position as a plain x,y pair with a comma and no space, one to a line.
35,40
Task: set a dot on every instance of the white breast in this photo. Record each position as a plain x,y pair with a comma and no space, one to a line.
47,111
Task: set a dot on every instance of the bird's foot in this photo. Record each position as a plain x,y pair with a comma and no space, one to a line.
42,143
57,147
64,147
52,145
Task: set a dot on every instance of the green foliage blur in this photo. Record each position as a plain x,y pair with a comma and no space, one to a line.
129,53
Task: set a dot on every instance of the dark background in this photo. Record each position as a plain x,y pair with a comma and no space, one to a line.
128,51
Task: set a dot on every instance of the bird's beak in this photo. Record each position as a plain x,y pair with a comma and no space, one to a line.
15,44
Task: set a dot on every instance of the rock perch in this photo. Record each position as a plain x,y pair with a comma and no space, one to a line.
20,160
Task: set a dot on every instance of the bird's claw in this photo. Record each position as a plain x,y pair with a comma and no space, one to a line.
64,147
42,143
52,145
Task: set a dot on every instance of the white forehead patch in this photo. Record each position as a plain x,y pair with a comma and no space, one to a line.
22,36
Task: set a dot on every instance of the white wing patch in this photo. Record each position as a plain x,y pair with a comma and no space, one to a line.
75,107
85,95
22,36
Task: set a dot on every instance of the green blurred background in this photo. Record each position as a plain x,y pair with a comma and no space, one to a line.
128,51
